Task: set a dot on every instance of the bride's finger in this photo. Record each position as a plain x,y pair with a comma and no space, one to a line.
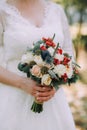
44,99
45,94
41,89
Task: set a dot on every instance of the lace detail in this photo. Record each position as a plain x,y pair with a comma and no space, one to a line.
12,10
54,18
2,62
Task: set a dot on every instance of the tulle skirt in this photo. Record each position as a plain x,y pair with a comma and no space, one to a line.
16,114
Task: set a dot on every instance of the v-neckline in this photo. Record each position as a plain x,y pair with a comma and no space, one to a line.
19,14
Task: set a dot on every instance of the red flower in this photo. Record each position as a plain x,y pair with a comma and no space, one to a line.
67,66
56,61
66,60
65,77
59,51
43,48
49,42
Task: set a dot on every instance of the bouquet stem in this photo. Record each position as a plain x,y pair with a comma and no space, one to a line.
37,107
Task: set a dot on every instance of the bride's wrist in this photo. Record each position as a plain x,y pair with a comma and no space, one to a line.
18,82
21,83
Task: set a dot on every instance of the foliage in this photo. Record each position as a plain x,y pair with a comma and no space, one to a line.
76,5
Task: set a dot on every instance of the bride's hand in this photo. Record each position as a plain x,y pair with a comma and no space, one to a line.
41,94
26,84
45,95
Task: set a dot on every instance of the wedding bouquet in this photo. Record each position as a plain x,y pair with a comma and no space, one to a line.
48,65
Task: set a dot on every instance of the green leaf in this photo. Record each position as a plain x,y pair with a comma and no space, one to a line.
55,50
26,69
53,75
76,64
21,66
36,49
38,80
28,74
73,79
53,37
55,84
37,107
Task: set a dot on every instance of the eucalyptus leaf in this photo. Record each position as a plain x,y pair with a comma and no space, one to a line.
53,37
53,75
55,50
21,66
55,84
73,79
76,64
36,47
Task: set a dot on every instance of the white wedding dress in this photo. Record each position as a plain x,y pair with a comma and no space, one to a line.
16,34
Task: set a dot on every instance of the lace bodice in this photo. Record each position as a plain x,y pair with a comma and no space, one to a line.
17,33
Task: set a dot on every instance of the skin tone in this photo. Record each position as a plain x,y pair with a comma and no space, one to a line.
29,10
41,94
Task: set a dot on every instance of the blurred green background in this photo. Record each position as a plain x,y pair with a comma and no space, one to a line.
76,11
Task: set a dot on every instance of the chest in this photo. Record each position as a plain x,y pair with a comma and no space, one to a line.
20,33
22,30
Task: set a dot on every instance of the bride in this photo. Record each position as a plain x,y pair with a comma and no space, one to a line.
23,22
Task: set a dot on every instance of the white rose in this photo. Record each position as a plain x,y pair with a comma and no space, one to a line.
60,70
51,50
59,57
46,80
27,58
38,60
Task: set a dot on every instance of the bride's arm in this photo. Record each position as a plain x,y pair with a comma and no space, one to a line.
67,46
25,84
5,76
9,78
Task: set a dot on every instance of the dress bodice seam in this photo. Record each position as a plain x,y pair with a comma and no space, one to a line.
25,20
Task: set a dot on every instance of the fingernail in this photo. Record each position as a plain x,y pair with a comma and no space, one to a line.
37,93
38,98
